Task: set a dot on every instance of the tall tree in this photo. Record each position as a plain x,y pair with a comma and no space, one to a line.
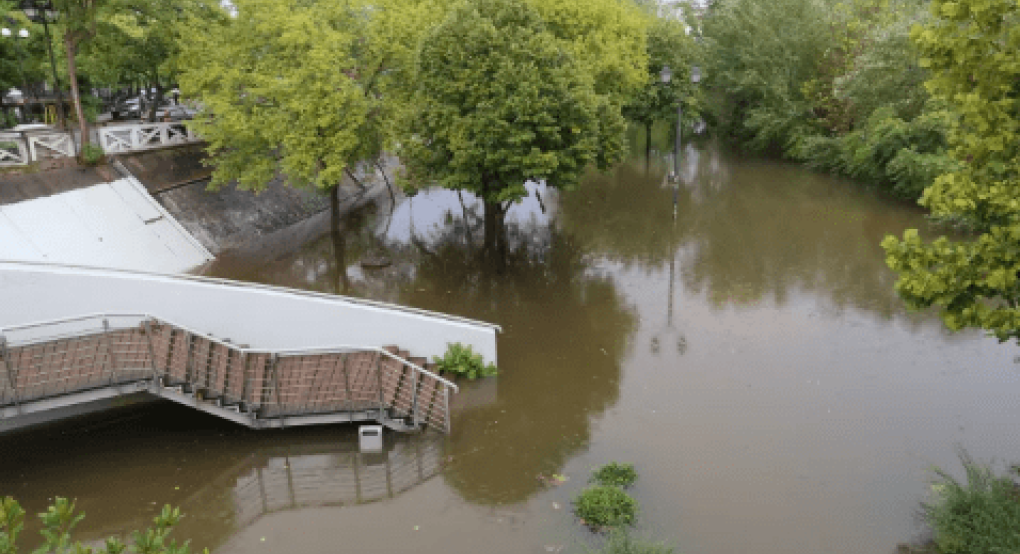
500,100
973,51
291,89
78,21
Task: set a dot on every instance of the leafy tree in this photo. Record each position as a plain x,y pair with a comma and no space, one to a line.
499,101
78,23
606,39
138,41
972,49
291,89
668,44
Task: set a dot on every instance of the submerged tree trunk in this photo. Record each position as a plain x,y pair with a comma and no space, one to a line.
495,234
648,144
342,281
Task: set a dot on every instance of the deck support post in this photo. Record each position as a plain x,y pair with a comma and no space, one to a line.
378,371
147,326
274,373
347,384
414,396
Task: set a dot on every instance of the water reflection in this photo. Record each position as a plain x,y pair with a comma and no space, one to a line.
746,232
224,478
566,327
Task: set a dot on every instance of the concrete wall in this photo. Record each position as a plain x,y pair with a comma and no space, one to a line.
258,315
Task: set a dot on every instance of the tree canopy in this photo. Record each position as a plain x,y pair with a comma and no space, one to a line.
972,48
284,88
499,101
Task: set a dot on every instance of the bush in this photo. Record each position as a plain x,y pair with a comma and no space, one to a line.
621,542
91,154
462,360
615,474
981,515
603,507
60,519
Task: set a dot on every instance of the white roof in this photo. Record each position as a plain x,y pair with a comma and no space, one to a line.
115,225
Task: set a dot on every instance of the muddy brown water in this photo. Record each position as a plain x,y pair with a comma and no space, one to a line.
749,357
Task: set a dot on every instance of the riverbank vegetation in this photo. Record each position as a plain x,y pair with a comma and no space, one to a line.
836,84
60,519
978,514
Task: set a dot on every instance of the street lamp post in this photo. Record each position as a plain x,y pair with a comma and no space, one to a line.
21,71
41,11
667,75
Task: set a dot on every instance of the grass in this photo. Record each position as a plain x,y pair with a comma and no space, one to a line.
980,515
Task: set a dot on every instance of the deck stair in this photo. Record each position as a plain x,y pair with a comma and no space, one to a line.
56,364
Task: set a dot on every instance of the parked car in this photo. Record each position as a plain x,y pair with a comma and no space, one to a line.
127,109
175,113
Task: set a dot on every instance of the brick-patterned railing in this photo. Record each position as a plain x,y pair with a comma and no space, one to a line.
47,360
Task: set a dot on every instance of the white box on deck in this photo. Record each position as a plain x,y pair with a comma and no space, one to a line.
370,438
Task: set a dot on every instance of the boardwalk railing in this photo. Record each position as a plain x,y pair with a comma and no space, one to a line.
76,359
22,148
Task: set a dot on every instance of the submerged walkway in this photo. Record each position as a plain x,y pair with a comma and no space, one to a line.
58,364
73,338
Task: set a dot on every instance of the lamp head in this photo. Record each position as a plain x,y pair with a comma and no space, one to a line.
695,74
666,74
5,32
23,33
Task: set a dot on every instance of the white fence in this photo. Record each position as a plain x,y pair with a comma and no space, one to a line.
22,148
144,136
13,150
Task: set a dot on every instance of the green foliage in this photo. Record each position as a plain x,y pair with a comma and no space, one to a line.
615,474
972,49
500,100
837,85
903,156
291,88
91,154
604,506
461,360
668,44
60,519
620,541
979,515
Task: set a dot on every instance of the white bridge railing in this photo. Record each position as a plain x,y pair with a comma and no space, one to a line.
145,136
23,148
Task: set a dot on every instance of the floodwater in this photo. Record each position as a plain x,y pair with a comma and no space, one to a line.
748,356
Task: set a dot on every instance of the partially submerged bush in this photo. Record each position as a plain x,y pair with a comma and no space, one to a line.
979,515
622,542
605,507
615,474
462,360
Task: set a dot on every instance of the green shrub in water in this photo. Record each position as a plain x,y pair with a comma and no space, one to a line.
981,515
604,507
615,474
622,542
462,360
91,154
